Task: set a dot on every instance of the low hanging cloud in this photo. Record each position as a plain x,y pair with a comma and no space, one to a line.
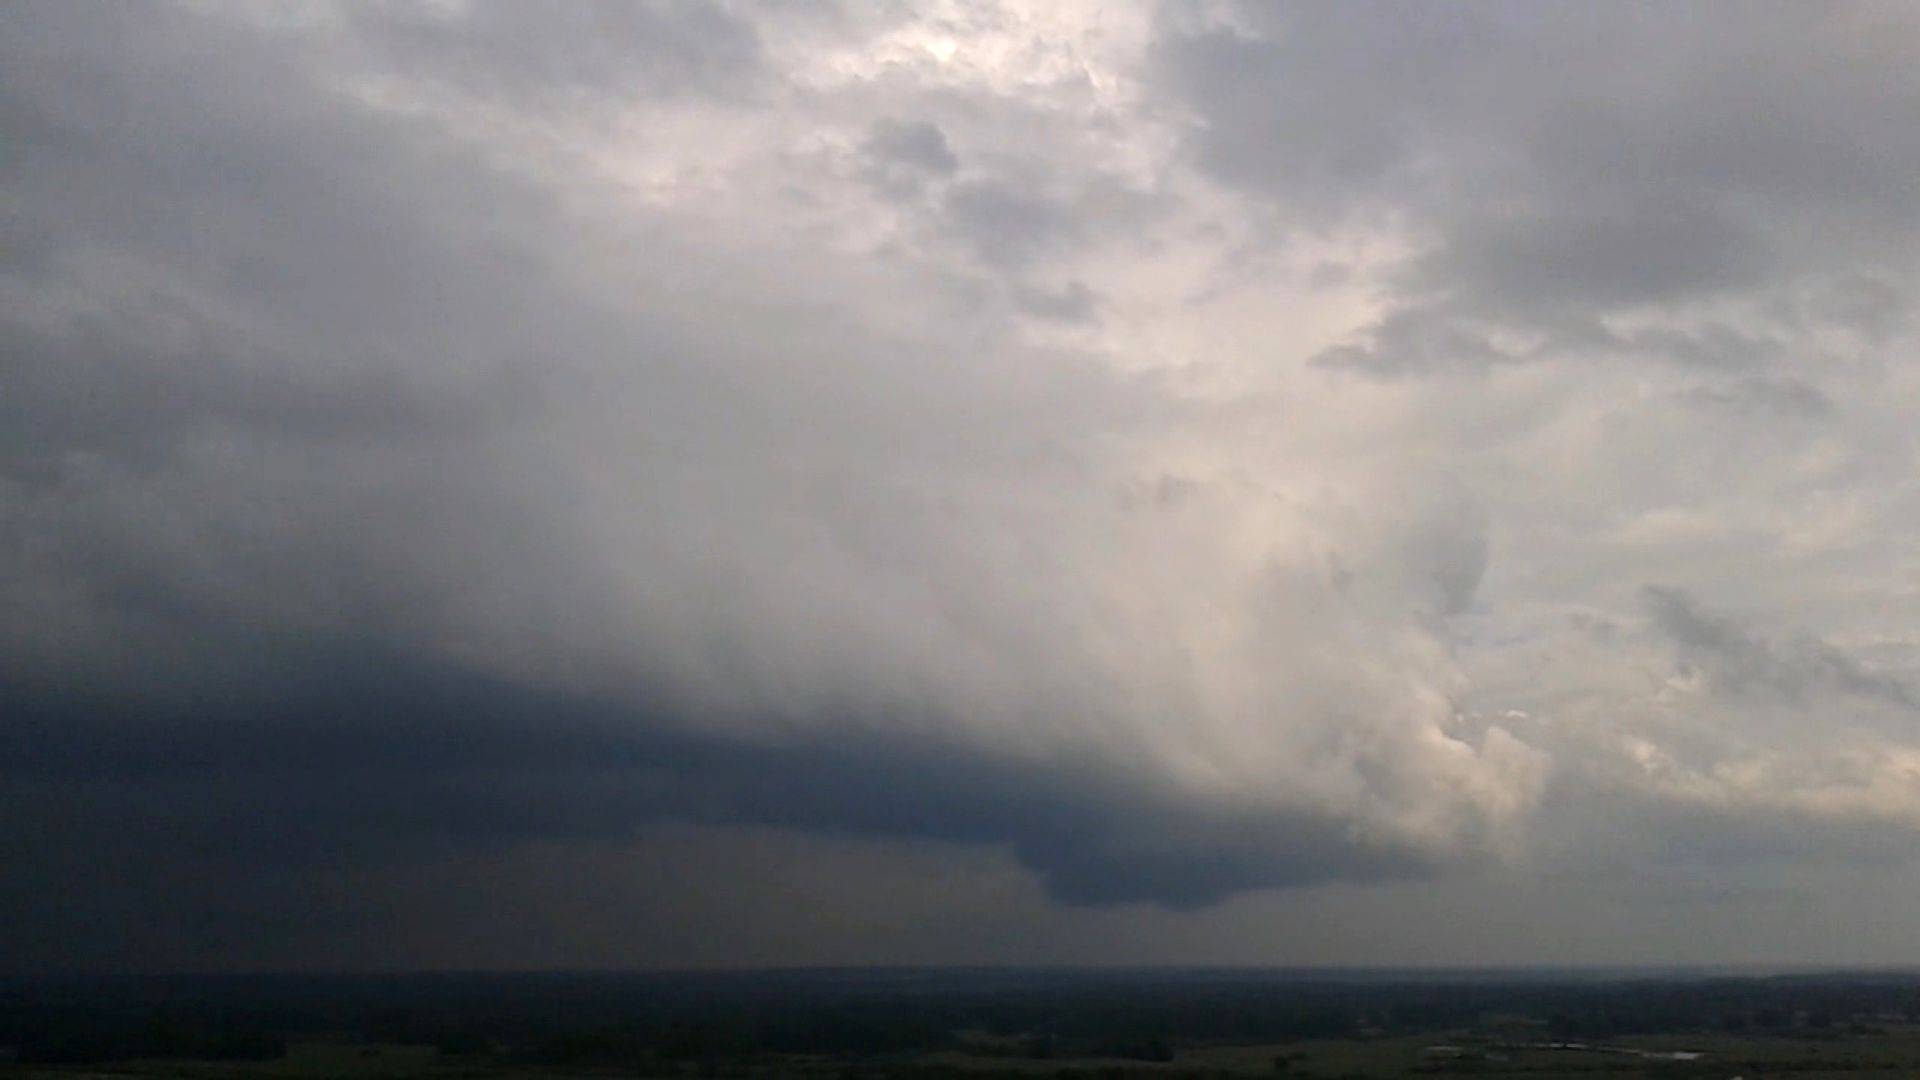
443,433
383,498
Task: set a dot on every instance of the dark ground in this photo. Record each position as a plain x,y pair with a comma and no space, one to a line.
929,1023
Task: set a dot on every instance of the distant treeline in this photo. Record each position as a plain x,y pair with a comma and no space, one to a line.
78,1034
629,1020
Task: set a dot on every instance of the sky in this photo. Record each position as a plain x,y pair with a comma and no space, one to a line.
676,484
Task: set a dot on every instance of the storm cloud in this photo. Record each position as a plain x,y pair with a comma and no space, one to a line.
1171,456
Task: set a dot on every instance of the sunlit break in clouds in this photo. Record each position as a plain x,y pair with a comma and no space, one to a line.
661,484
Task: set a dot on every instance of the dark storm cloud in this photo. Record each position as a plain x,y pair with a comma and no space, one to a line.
261,359
1073,304
1368,102
159,302
905,156
1417,339
1007,223
1550,263
1560,164
575,52
459,442
917,143
349,756
1785,397
1800,671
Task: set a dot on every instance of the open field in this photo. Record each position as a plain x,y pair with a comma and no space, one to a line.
974,1025
1892,1053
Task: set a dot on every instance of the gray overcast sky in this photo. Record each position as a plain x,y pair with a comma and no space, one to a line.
666,483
